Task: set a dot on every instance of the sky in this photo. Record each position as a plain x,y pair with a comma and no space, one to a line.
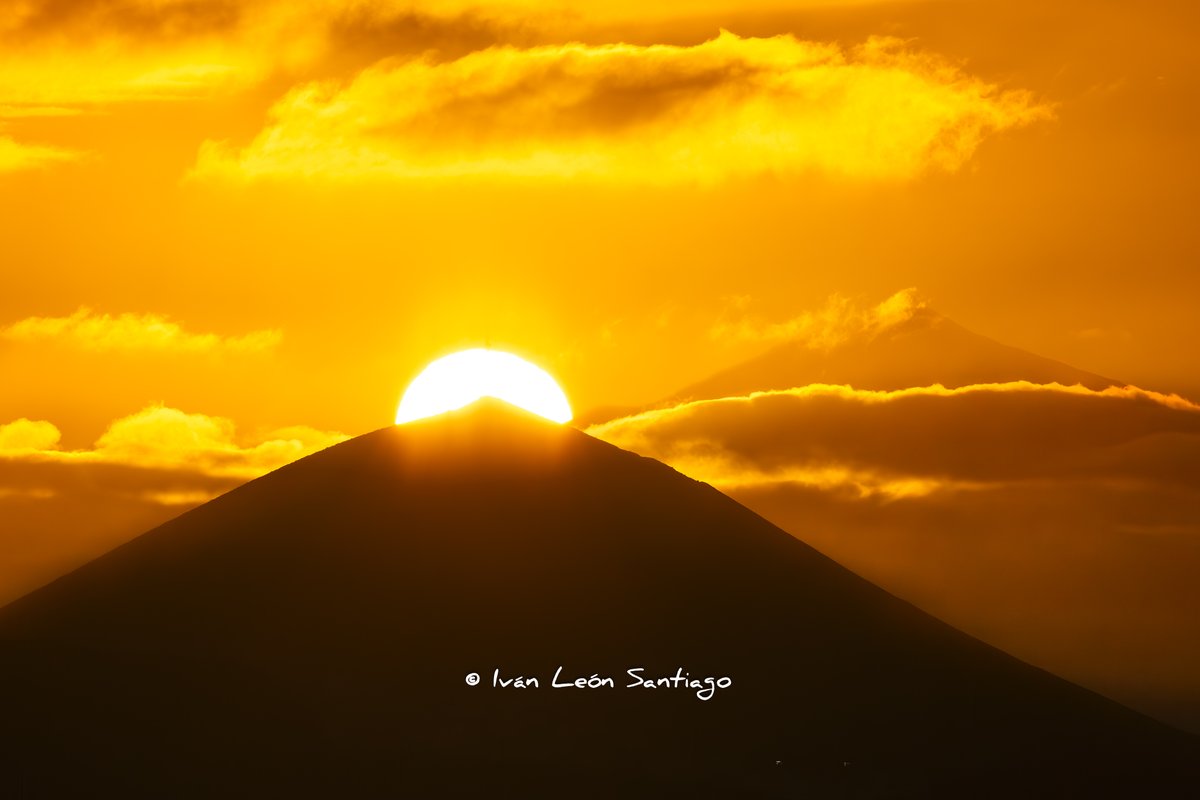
233,232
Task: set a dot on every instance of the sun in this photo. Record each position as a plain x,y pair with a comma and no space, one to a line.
462,378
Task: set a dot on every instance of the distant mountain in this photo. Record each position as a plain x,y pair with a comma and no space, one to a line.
925,349
310,634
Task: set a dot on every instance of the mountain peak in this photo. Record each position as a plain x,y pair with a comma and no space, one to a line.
483,409
919,347
922,349
315,633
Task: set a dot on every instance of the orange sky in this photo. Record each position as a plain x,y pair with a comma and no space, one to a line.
234,231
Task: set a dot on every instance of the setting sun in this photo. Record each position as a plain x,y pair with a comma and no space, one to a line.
462,378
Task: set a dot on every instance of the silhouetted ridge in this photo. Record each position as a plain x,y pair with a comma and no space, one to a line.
309,635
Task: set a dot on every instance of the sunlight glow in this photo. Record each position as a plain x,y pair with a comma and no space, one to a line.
462,378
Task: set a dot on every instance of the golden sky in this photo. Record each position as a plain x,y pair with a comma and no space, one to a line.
234,231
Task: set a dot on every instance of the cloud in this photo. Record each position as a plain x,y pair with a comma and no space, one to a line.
85,54
176,21
63,58
838,321
647,113
161,437
16,156
72,76
88,54
25,112
28,435
917,441
173,21
197,454
133,332
727,107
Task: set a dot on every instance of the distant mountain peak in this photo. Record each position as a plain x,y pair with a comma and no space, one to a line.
920,348
912,345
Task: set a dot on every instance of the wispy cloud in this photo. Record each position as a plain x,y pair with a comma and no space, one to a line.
84,54
16,156
727,107
133,332
839,320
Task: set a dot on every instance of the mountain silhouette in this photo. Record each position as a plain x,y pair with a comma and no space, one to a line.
310,634
926,348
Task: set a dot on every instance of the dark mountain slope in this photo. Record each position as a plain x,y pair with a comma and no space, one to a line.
308,635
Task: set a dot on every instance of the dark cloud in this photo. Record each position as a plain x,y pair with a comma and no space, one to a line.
988,433
80,478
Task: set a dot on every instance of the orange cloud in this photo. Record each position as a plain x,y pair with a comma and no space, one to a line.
131,332
16,155
28,435
662,113
56,64
161,438
167,437
917,441
173,21
838,321
730,106
82,54
70,57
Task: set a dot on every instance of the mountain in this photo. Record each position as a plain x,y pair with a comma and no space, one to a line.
310,634
924,349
